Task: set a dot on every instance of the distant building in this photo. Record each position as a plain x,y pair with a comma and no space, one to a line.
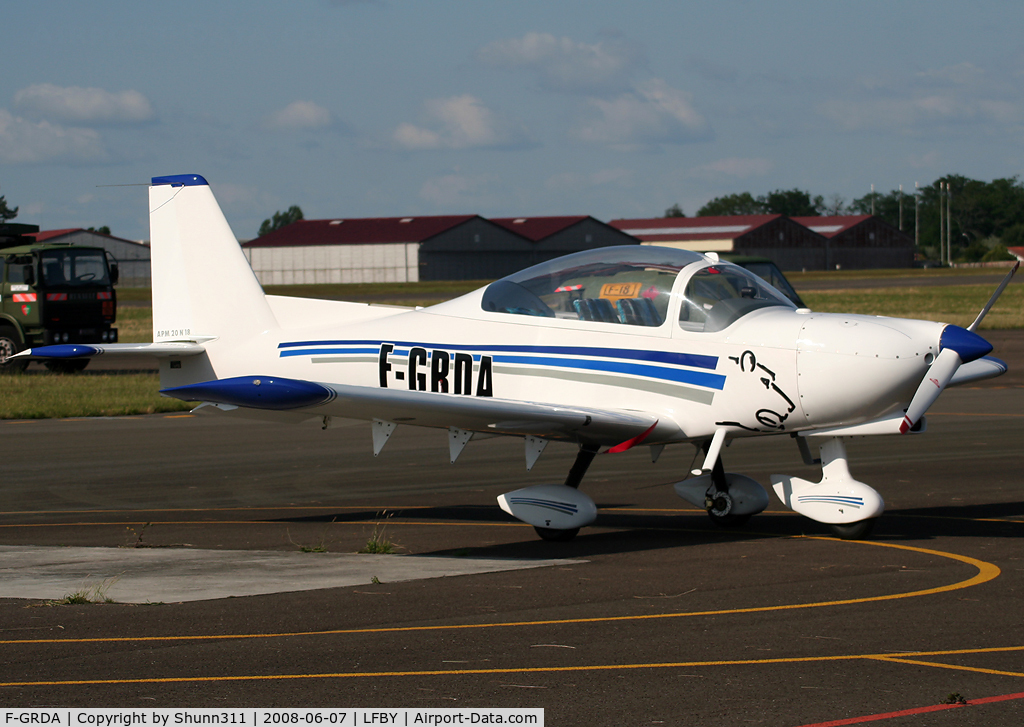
133,258
408,249
556,236
791,245
363,250
856,242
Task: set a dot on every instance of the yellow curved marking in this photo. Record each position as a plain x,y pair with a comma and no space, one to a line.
506,670
986,572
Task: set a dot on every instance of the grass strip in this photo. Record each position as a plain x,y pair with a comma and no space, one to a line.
46,395
956,304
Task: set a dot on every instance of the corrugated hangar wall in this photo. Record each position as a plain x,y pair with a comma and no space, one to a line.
317,264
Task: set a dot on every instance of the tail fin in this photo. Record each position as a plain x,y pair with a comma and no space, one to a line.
203,287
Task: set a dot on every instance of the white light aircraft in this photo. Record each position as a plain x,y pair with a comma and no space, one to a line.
609,348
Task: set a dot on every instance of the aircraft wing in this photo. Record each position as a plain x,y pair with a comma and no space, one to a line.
589,425
986,367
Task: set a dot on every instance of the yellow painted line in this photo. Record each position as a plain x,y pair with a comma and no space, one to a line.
986,572
949,666
499,670
370,521
391,508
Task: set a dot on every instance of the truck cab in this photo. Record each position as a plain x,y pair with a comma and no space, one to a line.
53,293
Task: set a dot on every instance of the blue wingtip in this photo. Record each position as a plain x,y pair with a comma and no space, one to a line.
255,392
65,350
181,180
969,345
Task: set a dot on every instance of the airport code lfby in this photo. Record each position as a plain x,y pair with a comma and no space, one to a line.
260,717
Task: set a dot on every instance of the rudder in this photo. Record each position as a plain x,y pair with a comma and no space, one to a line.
203,286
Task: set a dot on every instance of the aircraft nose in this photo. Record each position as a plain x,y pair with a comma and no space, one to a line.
968,344
856,368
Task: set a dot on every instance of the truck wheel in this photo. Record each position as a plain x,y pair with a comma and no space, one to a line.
10,345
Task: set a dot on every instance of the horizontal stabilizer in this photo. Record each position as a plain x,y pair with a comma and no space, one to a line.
81,350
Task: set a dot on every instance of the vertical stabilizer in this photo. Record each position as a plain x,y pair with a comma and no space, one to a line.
203,287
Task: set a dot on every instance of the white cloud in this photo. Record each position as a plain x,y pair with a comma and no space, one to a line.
563,64
737,167
33,142
90,106
652,113
917,112
960,74
932,99
300,116
460,122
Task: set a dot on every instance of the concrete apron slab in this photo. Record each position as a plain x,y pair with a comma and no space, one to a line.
170,575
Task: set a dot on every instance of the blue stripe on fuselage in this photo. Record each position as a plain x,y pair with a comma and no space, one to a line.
675,359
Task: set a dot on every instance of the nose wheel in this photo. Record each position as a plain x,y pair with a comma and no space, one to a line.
719,503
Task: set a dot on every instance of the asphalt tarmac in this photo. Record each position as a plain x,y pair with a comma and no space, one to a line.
651,616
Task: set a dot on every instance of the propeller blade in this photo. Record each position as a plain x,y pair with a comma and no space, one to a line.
956,346
995,296
939,374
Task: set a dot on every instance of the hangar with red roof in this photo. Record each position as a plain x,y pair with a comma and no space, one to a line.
791,245
409,249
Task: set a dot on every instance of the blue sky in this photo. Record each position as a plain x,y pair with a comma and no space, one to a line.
362,108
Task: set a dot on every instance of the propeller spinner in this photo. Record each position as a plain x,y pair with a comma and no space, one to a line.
956,346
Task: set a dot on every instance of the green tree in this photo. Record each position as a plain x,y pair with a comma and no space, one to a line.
281,219
887,206
789,202
675,211
732,204
792,203
101,230
6,213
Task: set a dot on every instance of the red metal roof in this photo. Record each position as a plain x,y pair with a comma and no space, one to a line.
359,231
665,229
44,235
830,226
537,228
48,235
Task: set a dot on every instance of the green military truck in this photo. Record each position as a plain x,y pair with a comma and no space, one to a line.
53,293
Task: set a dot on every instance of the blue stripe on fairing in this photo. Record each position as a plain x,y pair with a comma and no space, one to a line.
565,507
677,359
833,499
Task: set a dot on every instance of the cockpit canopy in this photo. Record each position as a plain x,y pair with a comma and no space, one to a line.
633,285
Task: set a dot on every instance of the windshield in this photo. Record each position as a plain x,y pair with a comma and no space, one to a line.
770,273
718,295
630,285
73,267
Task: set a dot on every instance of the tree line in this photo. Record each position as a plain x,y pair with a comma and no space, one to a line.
985,217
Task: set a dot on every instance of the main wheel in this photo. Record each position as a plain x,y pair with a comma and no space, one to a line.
556,536
10,345
854,531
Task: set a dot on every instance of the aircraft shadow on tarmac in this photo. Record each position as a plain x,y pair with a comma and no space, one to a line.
623,532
